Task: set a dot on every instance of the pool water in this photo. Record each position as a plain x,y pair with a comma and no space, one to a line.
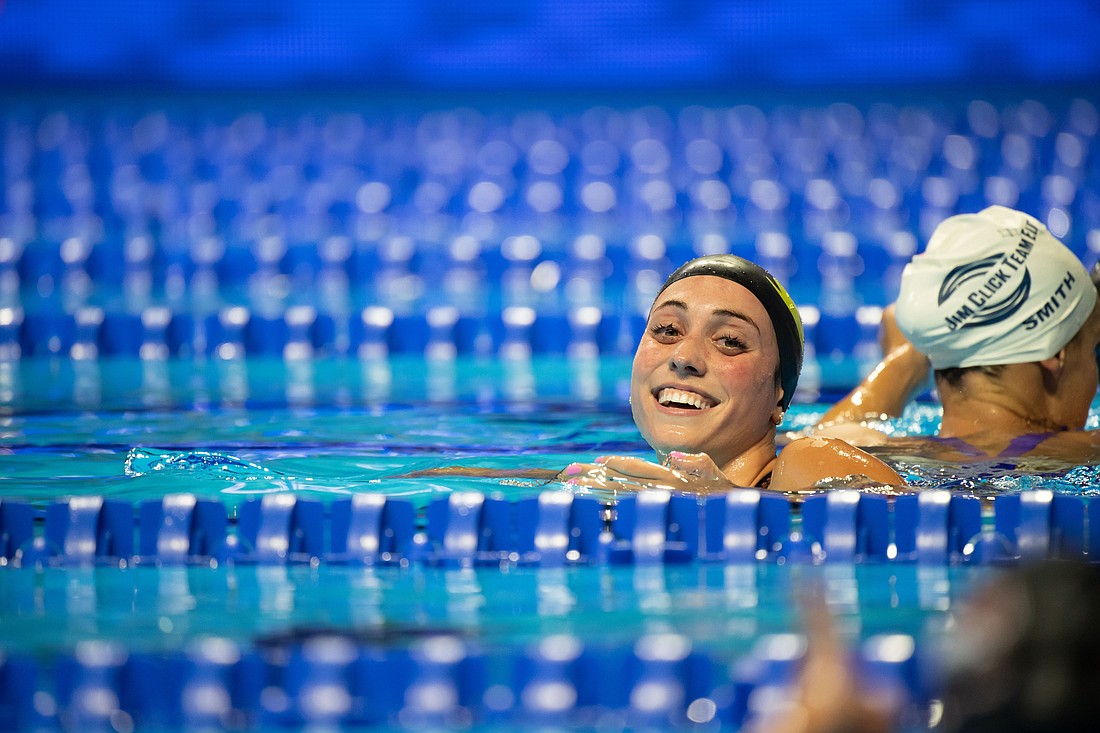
323,430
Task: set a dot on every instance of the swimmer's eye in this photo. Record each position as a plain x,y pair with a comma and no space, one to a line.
731,342
666,330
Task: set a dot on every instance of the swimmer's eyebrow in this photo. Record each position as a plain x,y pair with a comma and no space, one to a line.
721,312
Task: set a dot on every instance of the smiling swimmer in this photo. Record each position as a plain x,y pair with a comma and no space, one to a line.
712,376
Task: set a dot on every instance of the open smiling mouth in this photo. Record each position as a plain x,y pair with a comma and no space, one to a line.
687,400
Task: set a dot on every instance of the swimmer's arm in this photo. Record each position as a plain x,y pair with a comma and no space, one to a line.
806,461
690,472
901,374
546,474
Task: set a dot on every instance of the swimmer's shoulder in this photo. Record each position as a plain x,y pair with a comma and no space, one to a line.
1077,446
852,432
805,461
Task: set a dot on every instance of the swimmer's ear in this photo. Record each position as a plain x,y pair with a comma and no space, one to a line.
1053,367
778,412
1055,364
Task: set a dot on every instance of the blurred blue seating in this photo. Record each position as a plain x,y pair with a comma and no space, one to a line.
479,335
620,334
830,198
11,324
265,336
409,334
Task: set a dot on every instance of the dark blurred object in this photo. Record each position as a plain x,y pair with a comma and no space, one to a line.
1026,654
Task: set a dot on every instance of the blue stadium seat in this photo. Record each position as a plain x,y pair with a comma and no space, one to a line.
265,335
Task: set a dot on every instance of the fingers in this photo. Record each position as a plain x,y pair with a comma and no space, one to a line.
696,465
680,472
621,473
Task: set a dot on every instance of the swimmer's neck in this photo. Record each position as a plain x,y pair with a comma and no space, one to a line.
754,464
993,411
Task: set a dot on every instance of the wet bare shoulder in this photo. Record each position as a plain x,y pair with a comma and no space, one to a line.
806,461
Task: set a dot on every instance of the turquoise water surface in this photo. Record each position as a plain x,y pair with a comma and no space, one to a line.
235,431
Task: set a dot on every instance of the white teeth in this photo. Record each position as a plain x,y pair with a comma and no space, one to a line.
679,397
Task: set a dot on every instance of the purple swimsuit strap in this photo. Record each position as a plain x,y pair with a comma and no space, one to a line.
1018,446
1022,444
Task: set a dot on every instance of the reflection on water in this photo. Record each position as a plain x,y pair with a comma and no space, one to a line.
726,607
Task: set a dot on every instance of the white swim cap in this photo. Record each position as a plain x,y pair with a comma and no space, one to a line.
993,288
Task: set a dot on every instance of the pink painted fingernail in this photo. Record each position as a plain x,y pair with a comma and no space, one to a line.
572,469
601,459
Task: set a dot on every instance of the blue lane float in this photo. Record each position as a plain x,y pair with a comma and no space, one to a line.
658,681
553,529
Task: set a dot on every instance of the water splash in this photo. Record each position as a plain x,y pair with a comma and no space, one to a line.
1083,477
199,463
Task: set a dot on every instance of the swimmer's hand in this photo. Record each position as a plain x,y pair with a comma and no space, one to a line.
828,695
695,472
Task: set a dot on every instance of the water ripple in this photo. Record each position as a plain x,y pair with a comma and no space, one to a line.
201,463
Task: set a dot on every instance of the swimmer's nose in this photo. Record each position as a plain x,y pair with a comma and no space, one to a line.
687,358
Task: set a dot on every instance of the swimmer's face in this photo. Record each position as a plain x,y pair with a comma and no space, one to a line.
704,375
1079,374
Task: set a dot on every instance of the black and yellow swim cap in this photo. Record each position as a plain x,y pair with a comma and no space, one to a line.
775,299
